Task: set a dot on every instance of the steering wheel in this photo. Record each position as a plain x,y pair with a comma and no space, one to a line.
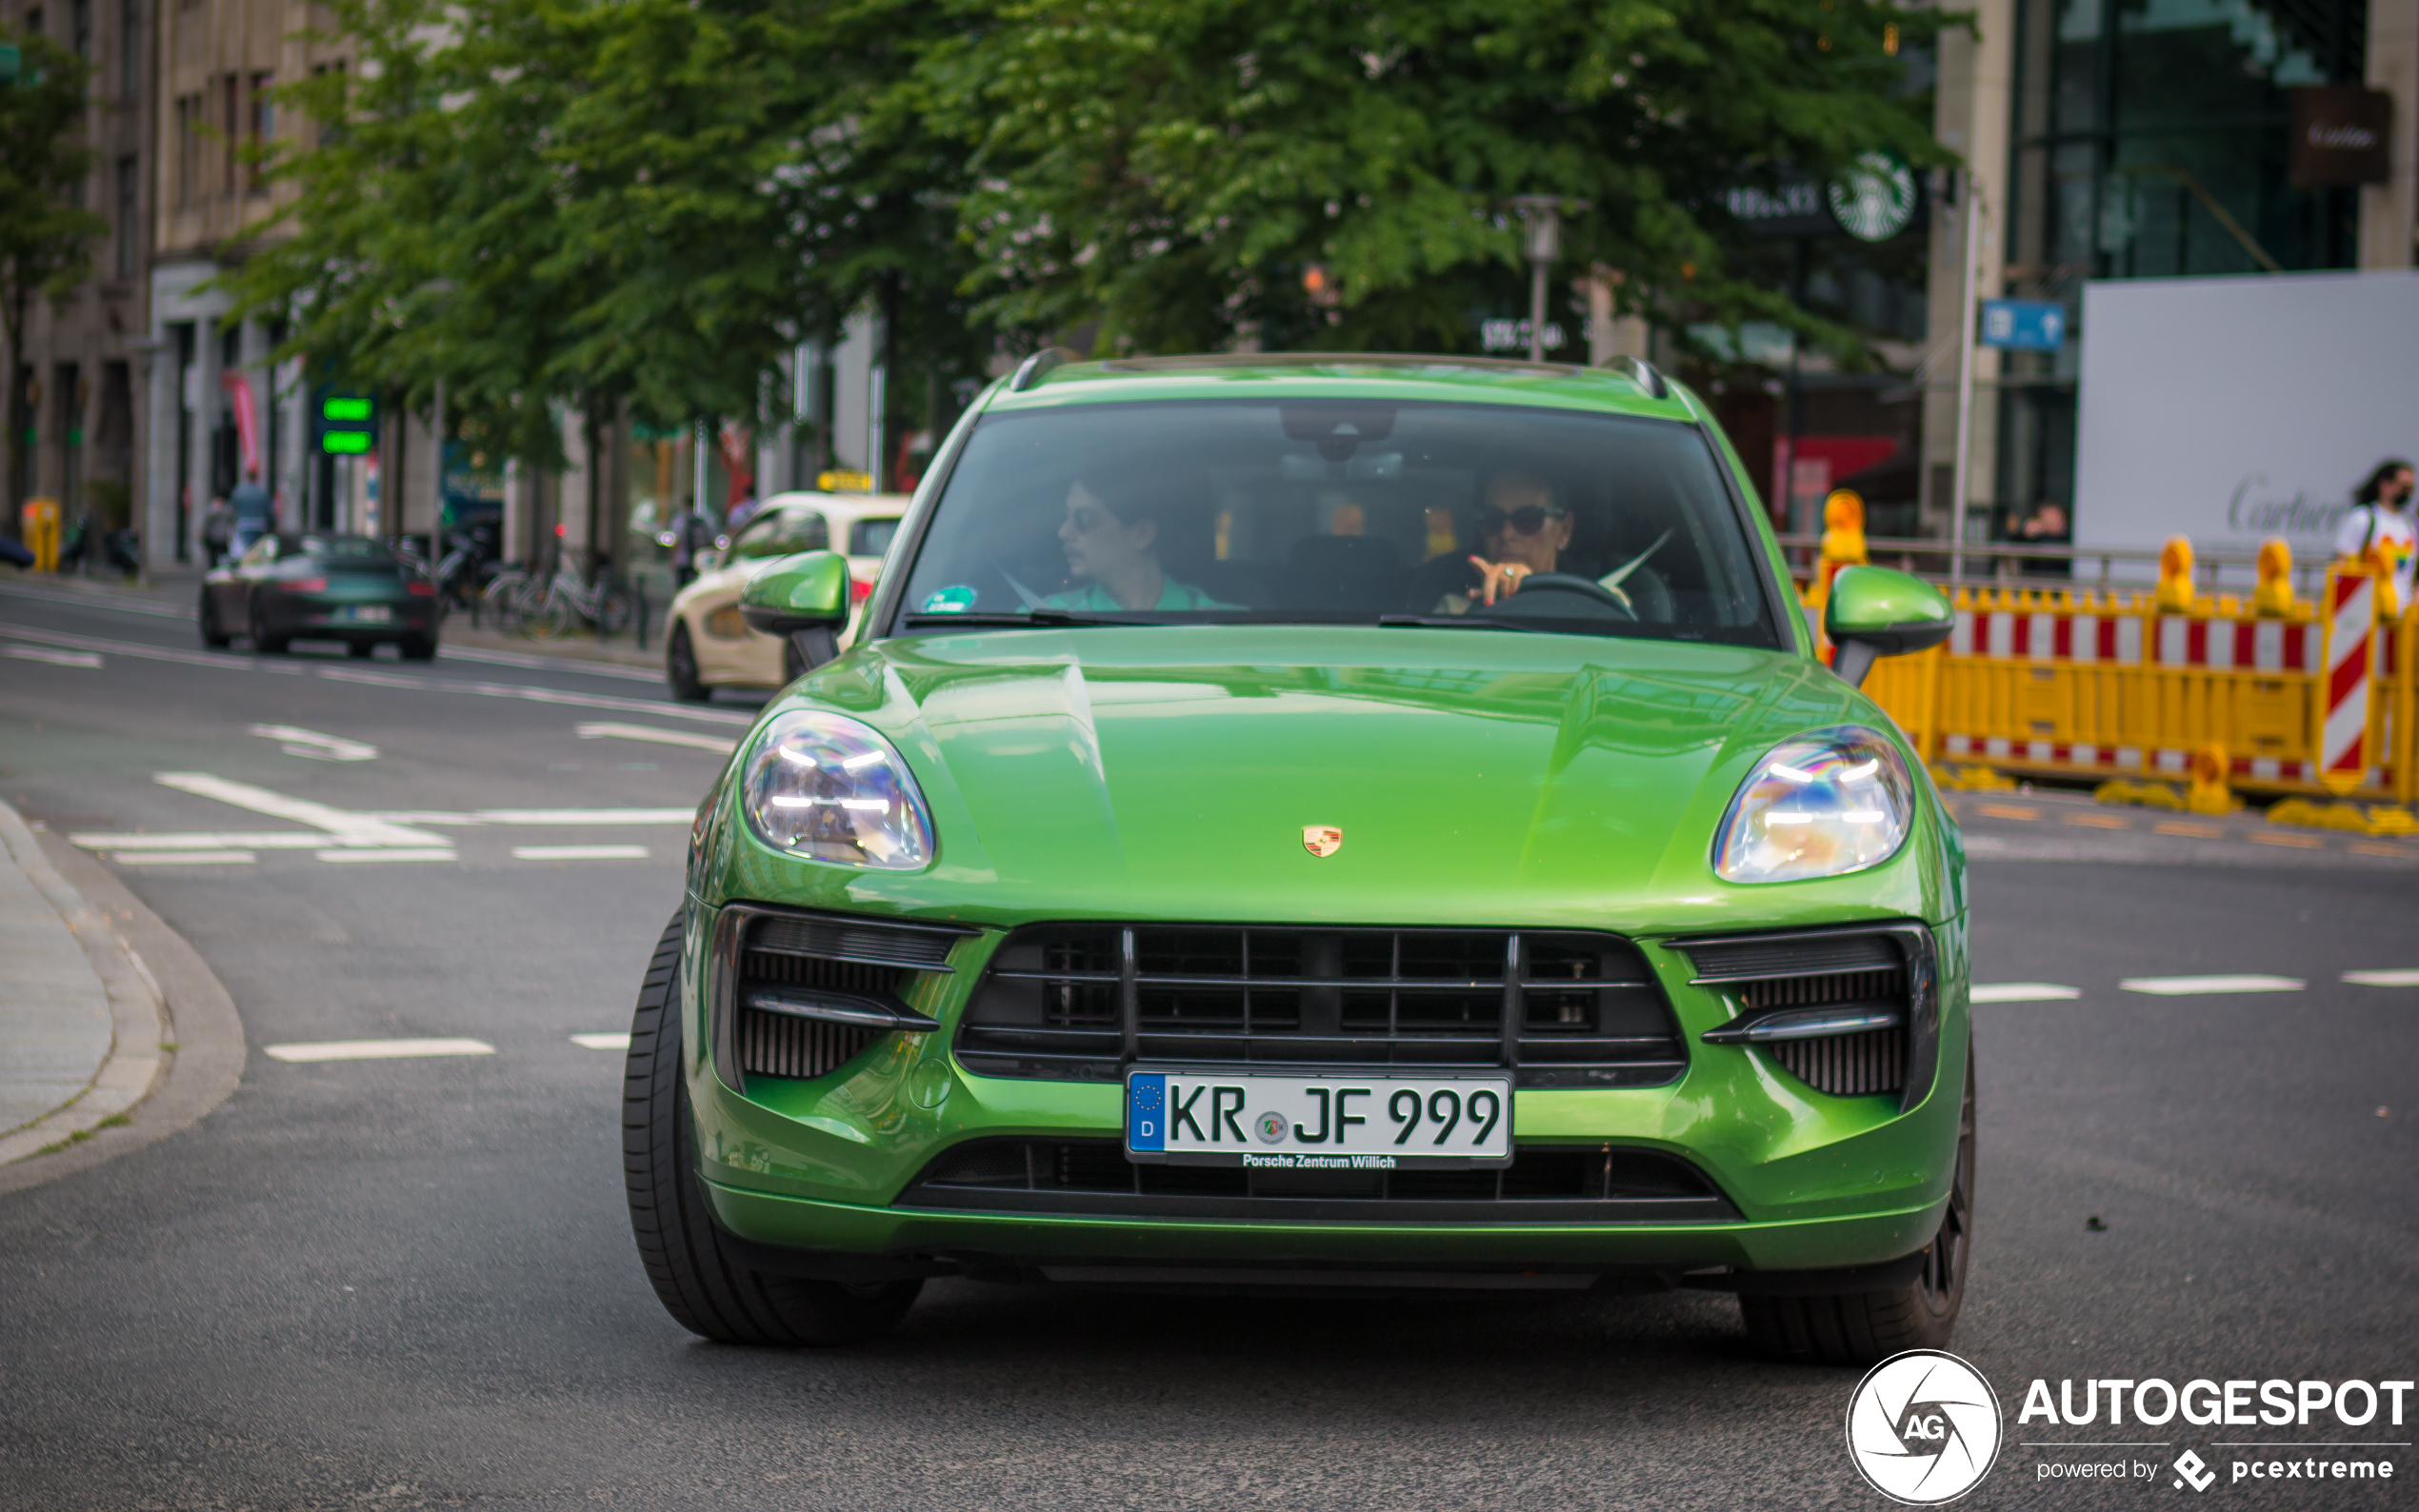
1571,583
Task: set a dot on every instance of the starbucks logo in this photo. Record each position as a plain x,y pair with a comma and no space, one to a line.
1270,1127
1875,199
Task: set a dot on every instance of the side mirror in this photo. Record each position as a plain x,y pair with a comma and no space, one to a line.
803,597
1875,612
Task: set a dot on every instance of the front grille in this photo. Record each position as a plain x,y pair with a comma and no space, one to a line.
1576,1183
1081,1002
1873,969
757,948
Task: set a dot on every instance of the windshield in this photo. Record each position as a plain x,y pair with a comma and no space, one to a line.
1340,511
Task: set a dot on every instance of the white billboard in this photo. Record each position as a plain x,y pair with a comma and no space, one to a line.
2231,409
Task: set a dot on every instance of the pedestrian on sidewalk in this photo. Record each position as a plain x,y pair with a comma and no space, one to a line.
2378,525
218,531
691,533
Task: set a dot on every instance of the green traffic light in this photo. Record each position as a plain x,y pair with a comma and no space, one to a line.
345,408
351,441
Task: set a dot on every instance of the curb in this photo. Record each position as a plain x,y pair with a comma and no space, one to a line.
178,1046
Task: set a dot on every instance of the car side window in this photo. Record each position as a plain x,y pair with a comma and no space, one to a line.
871,537
804,530
761,537
263,552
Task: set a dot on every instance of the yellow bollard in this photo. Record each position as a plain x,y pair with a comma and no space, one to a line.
2174,595
1843,542
2209,793
40,521
2273,598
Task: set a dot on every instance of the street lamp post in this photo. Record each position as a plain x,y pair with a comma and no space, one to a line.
1541,244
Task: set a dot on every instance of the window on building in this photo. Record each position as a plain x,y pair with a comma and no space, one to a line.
80,26
189,149
129,223
230,102
330,133
263,123
130,50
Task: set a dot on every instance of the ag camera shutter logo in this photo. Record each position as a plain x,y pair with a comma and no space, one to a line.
1923,1428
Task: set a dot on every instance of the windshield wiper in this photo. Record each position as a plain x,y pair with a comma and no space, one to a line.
1047,618
1452,622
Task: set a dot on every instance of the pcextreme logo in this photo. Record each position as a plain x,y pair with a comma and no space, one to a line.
1923,1428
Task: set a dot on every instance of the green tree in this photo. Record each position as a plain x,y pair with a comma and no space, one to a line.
1171,168
46,236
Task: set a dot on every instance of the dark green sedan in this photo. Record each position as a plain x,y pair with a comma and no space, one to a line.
321,586
1319,822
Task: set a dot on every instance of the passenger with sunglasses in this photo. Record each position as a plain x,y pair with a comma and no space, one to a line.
1112,541
1524,529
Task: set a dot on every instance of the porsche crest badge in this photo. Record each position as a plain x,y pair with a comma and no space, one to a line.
1322,840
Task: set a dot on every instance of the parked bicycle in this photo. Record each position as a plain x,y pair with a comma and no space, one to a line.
570,602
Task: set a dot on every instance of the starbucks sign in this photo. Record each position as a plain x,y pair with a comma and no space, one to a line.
1875,199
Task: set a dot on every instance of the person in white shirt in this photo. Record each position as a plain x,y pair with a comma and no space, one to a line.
2379,522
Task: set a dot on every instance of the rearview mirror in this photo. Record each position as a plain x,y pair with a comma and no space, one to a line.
803,597
1875,612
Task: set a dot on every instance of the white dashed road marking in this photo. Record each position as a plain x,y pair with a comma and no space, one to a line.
579,852
377,1049
2023,992
44,653
2383,979
295,740
186,858
581,816
395,853
264,840
2194,986
661,737
600,1041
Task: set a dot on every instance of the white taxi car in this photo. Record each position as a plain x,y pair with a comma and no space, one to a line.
708,646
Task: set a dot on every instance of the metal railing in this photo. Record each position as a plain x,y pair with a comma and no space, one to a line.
2000,563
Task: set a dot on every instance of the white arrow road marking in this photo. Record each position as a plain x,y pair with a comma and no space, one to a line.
295,740
183,858
377,1049
352,829
2023,992
2383,979
661,737
43,653
600,1041
579,852
2193,986
390,853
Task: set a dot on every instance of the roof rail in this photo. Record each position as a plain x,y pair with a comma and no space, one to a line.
1029,371
1647,378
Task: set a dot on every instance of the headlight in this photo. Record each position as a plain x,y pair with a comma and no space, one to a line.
824,786
1834,801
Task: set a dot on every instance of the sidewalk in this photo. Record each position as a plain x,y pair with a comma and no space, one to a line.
82,1033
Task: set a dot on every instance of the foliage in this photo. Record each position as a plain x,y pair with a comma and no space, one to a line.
46,236
1172,166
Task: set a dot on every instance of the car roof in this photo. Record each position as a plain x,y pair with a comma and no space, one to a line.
1630,388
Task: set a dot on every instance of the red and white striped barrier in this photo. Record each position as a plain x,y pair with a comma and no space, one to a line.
2116,758
2351,615
2089,638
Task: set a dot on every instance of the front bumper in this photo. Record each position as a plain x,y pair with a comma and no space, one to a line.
822,1168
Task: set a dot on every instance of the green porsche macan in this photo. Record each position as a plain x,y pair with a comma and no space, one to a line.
1319,822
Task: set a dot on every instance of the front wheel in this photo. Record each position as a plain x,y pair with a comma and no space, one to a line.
1866,1328
213,634
265,644
699,1284
418,647
680,666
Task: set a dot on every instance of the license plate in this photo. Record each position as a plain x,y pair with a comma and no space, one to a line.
367,613
1316,1120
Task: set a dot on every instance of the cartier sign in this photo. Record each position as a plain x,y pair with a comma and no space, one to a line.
2339,135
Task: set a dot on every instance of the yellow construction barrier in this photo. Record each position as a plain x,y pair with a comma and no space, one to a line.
2113,686
39,521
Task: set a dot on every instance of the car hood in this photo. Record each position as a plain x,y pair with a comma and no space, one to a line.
1475,776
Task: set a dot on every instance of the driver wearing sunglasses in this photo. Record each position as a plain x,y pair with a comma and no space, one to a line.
1524,529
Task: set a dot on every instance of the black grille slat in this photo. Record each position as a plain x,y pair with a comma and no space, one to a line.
779,1045
1548,1182
800,1049
1588,1011
916,947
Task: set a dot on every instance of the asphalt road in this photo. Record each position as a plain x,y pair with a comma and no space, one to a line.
410,1283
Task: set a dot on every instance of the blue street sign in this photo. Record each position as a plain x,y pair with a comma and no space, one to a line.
2024,325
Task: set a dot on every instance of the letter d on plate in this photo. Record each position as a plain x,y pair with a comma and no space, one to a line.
1146,1113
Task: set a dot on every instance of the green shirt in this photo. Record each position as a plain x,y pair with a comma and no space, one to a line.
1172,595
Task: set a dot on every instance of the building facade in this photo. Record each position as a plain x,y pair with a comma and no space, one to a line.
2117,139
79,405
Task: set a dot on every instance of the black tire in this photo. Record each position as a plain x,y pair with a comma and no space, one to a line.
264,642
686,1257
680,666
213,634
418,647
1867,1328
361,650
